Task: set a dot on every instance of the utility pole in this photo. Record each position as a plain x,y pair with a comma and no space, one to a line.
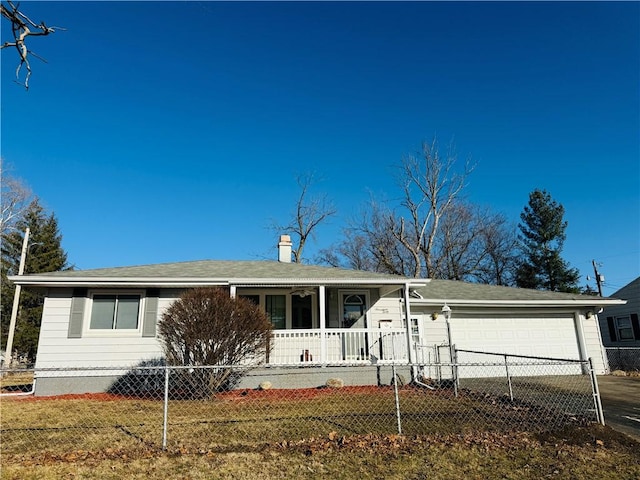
16,301
599,278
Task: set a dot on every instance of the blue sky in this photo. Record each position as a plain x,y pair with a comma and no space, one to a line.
172,131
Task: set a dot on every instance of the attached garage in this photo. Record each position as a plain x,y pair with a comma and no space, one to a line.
551,335
489,318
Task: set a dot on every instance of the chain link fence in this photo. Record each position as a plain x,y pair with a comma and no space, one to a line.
626,359
156,406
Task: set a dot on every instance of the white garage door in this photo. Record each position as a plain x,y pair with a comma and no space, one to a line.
545,337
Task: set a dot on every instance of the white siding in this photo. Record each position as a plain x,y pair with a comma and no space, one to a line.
56,350
434,331
386,308
593,343
518,331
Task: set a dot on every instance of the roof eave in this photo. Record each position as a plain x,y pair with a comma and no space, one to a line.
519,303
41,281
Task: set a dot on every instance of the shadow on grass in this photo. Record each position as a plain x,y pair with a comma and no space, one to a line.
23,388
148,380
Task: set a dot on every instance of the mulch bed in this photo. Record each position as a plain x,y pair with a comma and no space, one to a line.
238,395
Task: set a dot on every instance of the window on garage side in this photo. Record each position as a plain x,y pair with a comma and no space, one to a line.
115,312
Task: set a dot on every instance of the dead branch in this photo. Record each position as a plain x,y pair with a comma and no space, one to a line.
23,27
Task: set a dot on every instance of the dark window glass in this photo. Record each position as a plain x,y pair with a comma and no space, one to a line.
276,308
115,312
301,311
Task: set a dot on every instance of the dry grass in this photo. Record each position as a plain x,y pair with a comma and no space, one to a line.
308,434
91,422
12,379
576,453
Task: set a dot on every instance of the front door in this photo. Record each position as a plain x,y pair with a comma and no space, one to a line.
355,346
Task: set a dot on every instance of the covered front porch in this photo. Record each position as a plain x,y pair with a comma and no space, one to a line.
335,324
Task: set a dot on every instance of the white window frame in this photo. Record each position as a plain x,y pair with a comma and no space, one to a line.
345,293
113,332
619,328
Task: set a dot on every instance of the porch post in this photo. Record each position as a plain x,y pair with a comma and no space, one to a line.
407,310
232,291
323,321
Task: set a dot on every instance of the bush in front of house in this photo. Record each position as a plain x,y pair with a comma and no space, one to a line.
206,327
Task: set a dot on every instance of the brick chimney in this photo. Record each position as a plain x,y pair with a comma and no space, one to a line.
284,249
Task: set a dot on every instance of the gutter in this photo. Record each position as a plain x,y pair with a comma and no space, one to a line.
589,303
42,281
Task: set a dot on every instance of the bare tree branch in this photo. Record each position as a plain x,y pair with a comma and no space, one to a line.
430,186
23,27
309,213
500,243
433,232
15,197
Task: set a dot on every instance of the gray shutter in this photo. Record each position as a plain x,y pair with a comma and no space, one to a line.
78,302
635,325
612,329
150,313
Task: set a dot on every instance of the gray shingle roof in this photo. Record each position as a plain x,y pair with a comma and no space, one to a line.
630,290
207,272
224,270
454,290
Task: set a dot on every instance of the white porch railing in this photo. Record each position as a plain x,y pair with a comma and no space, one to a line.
340,346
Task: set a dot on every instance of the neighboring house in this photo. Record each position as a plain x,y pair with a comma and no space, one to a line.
619,323
322,317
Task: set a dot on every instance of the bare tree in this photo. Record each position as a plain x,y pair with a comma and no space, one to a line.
500,242
309,213
368,244
378,227
458,248
15,198
432,233
351,252
430,186
22,28
477,245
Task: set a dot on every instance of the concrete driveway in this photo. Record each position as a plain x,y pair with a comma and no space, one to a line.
621,403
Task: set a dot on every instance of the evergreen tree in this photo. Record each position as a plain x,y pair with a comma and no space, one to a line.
542,238
44,254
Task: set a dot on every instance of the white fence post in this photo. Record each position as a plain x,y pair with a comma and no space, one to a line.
165,419
454,368
395,389
596,393
506,367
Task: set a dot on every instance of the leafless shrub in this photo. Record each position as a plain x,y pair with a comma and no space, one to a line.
207,327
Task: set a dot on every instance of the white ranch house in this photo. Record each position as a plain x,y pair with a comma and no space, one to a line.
322,317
